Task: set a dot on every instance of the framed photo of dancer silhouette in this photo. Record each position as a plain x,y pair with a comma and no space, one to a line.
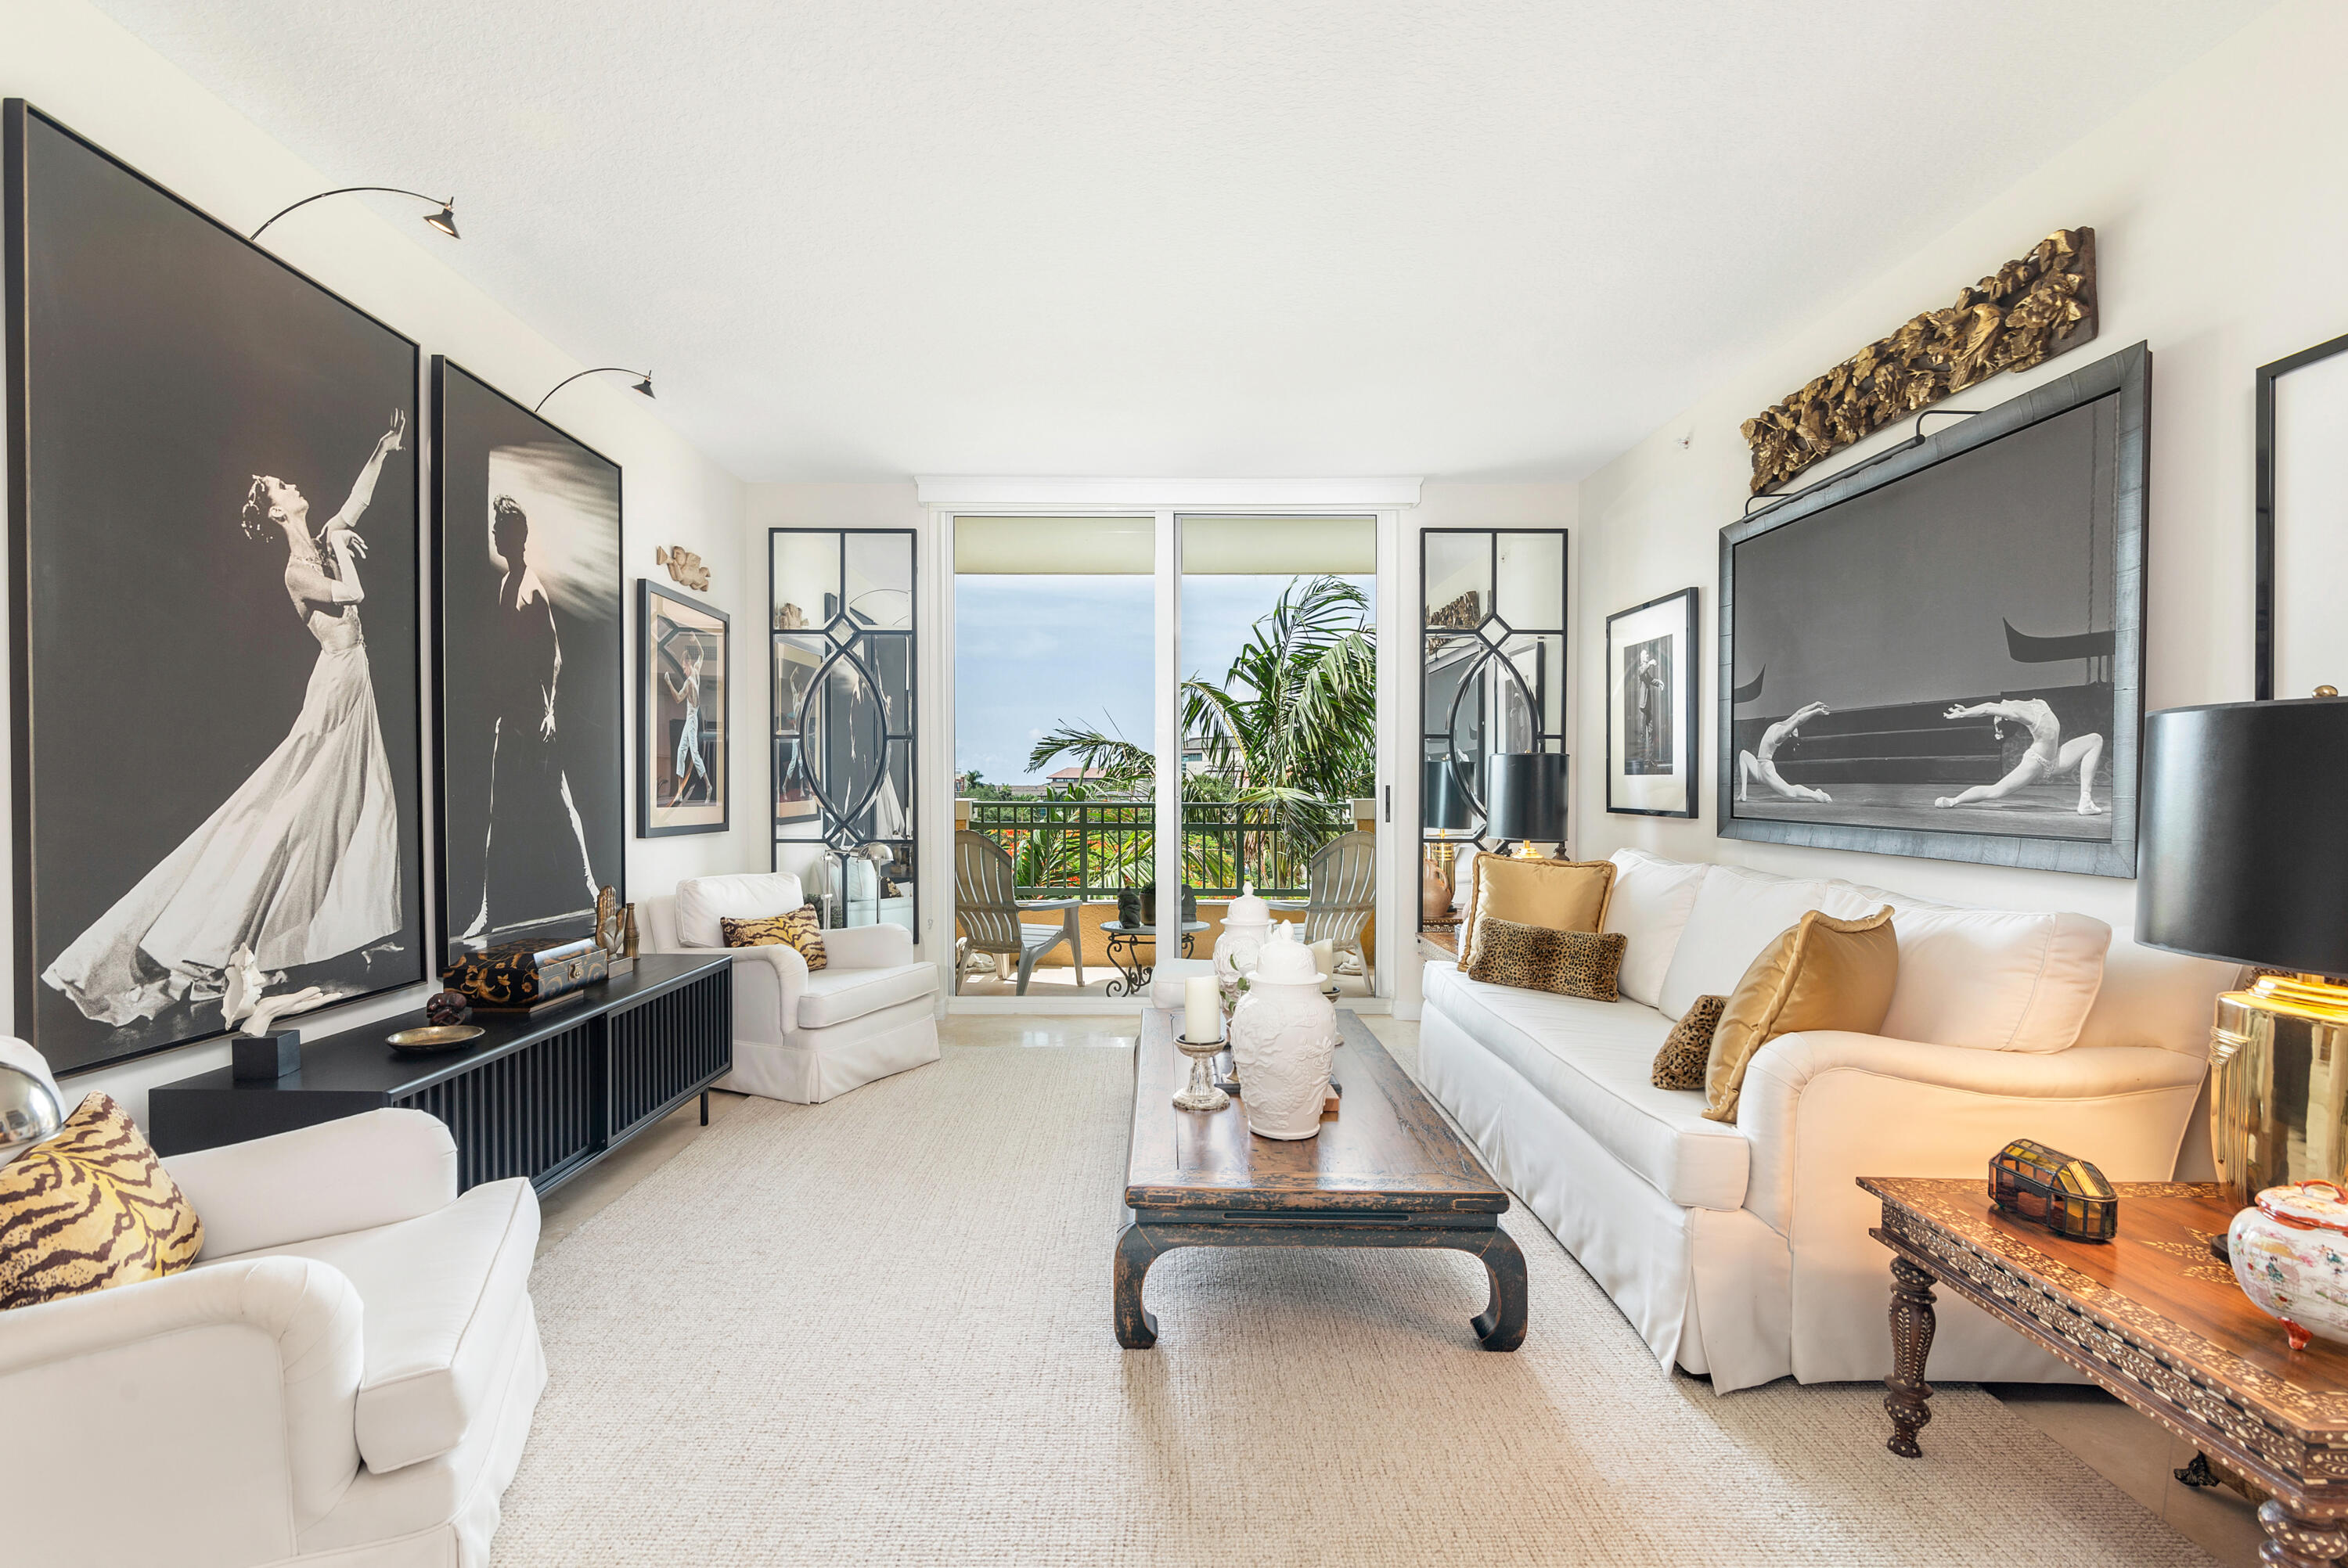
1651,720
683,661
528,638
1941,653
216,687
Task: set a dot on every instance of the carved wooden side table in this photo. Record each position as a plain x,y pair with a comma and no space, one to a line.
2151,1316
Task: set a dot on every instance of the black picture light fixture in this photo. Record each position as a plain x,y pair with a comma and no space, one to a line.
444,220
643,381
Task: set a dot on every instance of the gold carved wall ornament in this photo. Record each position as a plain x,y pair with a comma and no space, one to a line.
2028,311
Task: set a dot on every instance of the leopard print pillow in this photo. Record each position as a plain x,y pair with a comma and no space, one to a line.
1687,1054
802,929
1535,958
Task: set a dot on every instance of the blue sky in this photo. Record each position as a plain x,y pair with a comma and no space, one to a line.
1032,653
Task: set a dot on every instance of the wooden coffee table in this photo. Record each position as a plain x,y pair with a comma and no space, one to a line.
1385,1171
2150,1316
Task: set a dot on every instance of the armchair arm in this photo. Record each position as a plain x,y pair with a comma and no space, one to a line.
1041,906
356,1173
230,1392
867,947
1823,1108
767,984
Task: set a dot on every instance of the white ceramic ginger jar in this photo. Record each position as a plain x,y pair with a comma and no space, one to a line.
1247,922
1283,1034
2290,1257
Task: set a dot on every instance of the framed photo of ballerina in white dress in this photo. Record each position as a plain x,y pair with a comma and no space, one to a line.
683,659
528,634
216,696
1941,653
1650,726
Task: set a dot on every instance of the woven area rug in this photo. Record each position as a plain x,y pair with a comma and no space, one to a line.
877,1331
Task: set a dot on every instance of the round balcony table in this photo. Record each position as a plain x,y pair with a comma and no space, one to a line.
1125,951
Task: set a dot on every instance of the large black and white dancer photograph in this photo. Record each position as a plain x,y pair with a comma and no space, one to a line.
531,755
1938,654
222,695
681,696
1651,710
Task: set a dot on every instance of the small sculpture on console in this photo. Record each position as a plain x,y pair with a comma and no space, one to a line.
445,1008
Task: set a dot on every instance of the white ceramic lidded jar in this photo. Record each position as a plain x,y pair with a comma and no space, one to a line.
1247,922
1283,1033
2290,1257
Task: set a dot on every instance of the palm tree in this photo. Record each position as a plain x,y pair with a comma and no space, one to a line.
1293,725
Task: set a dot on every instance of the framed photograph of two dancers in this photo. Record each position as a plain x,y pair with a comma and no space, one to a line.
216,703
1942,653
527,633
1650,719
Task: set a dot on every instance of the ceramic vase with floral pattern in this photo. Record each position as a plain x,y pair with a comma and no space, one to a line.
2290,1257
1283,1035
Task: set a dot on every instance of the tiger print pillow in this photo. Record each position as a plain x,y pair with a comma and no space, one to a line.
1535,958
1687,1056
91,1207
802,930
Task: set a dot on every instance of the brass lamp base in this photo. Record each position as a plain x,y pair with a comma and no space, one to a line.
2278,1089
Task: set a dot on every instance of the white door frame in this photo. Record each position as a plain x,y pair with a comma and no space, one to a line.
944,497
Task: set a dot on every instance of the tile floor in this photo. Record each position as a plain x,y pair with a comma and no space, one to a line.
2130,1451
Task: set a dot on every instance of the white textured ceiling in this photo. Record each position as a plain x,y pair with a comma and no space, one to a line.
868,237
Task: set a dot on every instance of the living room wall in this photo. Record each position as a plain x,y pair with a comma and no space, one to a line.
2221,222
75,63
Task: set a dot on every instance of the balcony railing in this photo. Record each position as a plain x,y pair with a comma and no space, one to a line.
1096,849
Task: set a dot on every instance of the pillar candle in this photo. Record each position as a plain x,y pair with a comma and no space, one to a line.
1324,959
1202,1008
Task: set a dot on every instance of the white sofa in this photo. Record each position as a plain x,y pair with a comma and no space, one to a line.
1741,1250
345,1377
871,1009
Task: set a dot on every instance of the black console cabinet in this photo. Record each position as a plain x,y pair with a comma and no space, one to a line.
540,1095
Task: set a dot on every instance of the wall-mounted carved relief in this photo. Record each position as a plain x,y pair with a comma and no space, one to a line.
683,567
2028,311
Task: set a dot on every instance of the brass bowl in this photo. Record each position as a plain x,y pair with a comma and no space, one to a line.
435,1037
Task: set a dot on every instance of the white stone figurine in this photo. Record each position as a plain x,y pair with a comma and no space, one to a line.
243,998
1247,922
1283,1035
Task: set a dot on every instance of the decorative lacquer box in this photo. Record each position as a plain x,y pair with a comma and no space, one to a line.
518,975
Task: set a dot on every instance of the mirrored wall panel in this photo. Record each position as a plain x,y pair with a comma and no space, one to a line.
1492,692
843,670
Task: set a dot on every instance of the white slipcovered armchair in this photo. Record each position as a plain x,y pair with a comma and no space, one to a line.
871,1009
346,1375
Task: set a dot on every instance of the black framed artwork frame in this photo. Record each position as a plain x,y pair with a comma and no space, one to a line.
684,693
1942,653
1651,736
2301,498
212,499
530,690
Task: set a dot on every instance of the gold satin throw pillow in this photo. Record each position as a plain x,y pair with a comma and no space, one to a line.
802,929
1535,958
1819,973
91,1207
1560,895
1687,1052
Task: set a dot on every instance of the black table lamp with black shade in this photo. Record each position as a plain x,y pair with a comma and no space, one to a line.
2243,856
1444,809
1524,792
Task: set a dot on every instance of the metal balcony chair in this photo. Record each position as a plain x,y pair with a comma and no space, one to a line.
1340,894
987,902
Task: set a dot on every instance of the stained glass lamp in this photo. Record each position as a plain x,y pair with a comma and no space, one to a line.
2068,1196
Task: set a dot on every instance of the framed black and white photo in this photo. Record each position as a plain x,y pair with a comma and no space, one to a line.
1651,723
1942,653
528,623
2302,522
212,503
683,659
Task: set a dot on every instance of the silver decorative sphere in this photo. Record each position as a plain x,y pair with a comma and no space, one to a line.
29,1110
